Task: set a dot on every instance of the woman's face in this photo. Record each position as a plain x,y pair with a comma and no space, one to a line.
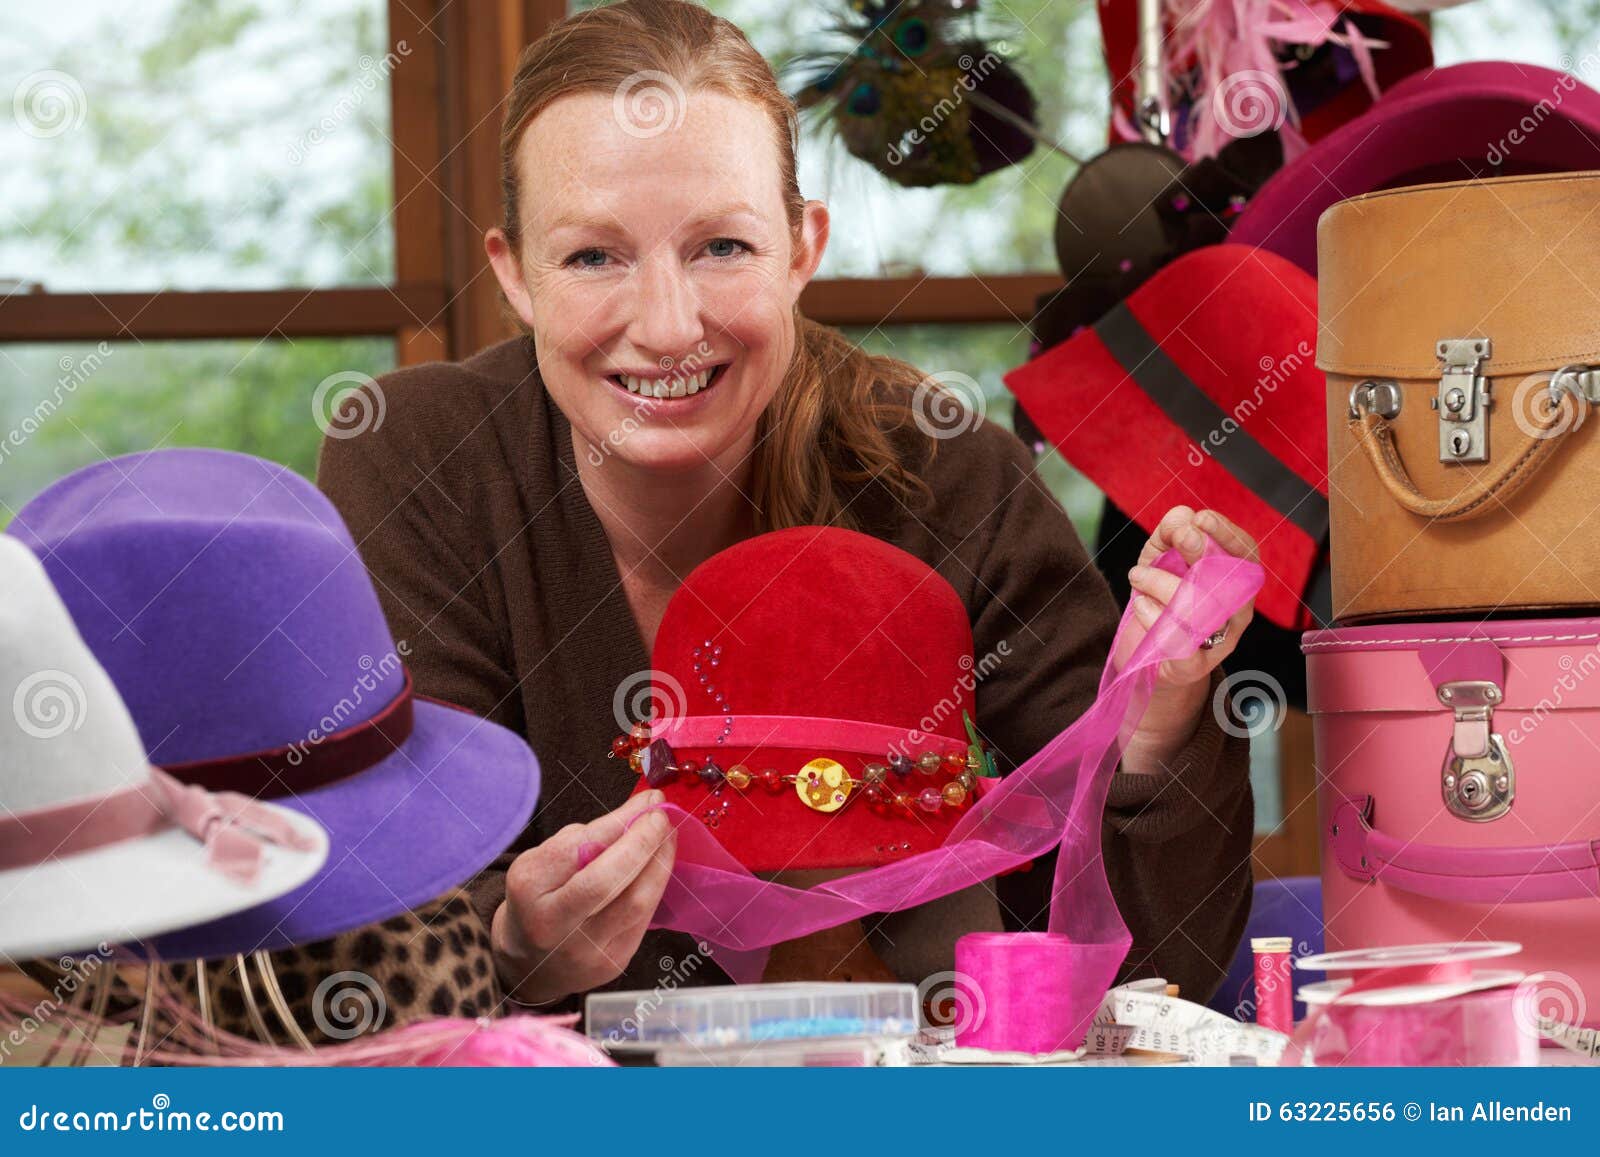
658,273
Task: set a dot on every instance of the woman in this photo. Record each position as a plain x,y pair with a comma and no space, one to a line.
528,512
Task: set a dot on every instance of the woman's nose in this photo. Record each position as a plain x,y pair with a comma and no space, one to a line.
666,309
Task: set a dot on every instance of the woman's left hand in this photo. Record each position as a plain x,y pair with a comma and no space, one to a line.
1181,687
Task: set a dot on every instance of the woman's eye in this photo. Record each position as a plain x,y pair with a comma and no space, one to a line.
588,258
726,247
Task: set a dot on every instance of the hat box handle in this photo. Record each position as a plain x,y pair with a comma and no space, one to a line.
1375,435
1476,875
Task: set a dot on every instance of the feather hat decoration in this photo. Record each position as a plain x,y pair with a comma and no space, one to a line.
915,90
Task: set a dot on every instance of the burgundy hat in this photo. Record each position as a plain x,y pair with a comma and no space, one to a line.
227,601
1202,389
811,690
1484,119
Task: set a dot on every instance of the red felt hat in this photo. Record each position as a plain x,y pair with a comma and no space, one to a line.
811,688
1201,389
1326,95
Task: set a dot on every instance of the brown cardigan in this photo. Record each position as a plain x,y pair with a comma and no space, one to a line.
492,565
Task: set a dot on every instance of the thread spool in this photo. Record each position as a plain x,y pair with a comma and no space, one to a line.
1274,988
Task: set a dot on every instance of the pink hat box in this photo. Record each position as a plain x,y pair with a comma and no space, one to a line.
1459,797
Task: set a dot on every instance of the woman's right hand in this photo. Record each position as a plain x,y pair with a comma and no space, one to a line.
567,927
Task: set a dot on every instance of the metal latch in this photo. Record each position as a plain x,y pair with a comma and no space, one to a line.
1463,400
1478,781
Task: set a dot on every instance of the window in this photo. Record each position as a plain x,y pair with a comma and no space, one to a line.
198,145
64,406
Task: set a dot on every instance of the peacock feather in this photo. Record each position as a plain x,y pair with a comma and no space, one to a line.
916,91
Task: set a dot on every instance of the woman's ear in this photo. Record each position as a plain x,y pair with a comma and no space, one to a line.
508,272
812,243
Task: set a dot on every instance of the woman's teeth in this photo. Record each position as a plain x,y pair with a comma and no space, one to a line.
666,387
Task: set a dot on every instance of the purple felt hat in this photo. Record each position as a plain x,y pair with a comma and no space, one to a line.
227,601
1483,119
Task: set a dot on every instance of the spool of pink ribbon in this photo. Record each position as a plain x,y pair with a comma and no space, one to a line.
1414,1005
1013,992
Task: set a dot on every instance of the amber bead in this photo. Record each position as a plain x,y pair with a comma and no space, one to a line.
739,776
903,801
640,734
929,762
621,746
954,794
771,780
954,761
636,758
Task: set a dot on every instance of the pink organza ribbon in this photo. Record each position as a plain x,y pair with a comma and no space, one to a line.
234,828
1054,801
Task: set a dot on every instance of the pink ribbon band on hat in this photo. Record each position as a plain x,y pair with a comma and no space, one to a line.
801,732
234,828
1054,801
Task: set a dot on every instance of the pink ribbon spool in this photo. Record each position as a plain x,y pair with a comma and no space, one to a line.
1473,1029
1013,992
1372,1022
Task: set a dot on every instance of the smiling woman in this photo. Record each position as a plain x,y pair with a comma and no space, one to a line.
528,514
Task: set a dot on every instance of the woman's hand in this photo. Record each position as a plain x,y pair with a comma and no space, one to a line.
1180,693
566,926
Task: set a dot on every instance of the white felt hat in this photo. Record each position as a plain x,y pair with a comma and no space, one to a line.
95,845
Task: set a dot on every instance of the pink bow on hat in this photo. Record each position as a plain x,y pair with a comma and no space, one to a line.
234,828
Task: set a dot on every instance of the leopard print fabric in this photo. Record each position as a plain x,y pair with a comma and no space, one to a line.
434,961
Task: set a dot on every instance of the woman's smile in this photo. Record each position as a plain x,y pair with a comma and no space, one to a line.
671,386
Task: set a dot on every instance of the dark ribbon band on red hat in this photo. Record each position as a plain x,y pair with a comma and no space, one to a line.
1189,407
310,763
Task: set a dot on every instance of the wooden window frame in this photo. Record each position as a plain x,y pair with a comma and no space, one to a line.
445,302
